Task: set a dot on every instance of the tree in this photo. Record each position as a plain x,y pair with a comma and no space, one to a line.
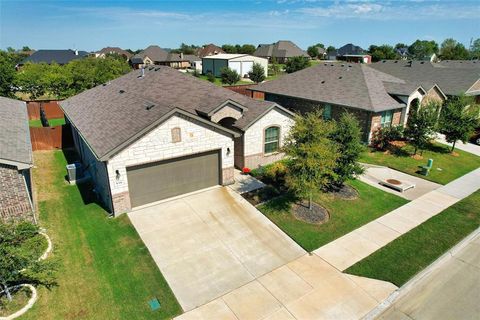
247,49
475,49
423,49
383,52
228,48
26,48
421,125
297,63
32,79
459,119
274,66
313,51
229,76
347,135
453,50
18,263
331,49
400,45
257,74
7,75
312,153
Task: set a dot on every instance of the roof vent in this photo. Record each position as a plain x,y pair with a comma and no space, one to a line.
332,65
104,84
340,77
325,64
383,61
349,65
343,65
148,105
422,62
121,91
323,81
156,69
396,61
151,68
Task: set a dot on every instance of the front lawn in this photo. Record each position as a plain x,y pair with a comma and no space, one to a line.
105,272
404,257
345,215
446,167
219,83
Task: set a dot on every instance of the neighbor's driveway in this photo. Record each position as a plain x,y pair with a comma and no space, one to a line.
210,243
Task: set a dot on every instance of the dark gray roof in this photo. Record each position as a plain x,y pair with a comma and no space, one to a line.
350,49
15,145
452,81
462,64
108,118
280,49
57,56
351,85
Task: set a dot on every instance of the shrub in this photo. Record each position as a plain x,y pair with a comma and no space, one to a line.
297,63
210,77
257,74
275,172
196,73
383,136
229,76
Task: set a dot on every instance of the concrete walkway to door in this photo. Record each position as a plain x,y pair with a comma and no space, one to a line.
210,243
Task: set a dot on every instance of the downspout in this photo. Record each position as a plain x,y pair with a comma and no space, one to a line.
109,189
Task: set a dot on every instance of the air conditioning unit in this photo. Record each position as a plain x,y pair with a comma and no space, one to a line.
75,172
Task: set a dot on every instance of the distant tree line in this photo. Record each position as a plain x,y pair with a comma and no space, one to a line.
56,81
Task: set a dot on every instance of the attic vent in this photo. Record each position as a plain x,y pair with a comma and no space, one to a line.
121,91
148,105
323,81
340,77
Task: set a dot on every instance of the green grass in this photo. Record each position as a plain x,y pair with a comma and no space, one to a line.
404,257
35,123
56,122
219,83
345,215
20,298
446,167
106,271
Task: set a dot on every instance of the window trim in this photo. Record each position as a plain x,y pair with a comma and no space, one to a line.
383,123
278,141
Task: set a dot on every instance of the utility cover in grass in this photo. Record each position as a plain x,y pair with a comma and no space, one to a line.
317,215
154,304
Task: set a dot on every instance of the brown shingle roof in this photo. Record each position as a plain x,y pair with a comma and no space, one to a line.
15,145
109,115
116,50
280,49
209,50
352,85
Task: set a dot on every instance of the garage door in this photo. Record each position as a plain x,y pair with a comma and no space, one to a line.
160,180
236,65
246,67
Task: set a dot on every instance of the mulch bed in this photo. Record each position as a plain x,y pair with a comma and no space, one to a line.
317,215
346,192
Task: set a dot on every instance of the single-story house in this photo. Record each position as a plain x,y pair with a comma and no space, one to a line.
60,57
154,55
15,162
281,50
377,99
209,50
113,50
242,63
352,53
157,133
453,80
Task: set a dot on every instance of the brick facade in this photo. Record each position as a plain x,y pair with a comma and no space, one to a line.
15,204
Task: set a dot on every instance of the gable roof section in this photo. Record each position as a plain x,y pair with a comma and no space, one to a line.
57,56
108,116
155,53
15,145
351,85
452,81
350,49
280,49
116,50
209,50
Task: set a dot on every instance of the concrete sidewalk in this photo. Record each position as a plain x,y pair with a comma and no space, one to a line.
468,147
360,243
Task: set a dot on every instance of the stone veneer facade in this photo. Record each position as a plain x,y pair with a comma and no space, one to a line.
250,150
196,137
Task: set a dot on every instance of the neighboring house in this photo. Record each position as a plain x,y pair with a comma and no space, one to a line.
322,52
352,53
282,51
242,63
402,53
60,57
15,162
147,138
209,50
453,81
377,99
154,55
113,50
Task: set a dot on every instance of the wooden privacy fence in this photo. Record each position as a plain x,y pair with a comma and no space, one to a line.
51,108
49,138
242,89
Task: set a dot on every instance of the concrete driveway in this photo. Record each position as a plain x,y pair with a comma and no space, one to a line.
210,243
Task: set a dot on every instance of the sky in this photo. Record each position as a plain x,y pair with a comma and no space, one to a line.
136,24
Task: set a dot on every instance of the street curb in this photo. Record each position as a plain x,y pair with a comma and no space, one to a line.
405,289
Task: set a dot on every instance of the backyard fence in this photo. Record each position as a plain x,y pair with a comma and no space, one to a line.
242,89
51,109
50,138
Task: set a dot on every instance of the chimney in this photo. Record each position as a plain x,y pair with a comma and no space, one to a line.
181,55
76,52
143,71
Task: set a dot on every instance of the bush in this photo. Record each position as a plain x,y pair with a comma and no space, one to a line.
257,74
229,76
297,63
196,73
382,137
210,77
275,172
